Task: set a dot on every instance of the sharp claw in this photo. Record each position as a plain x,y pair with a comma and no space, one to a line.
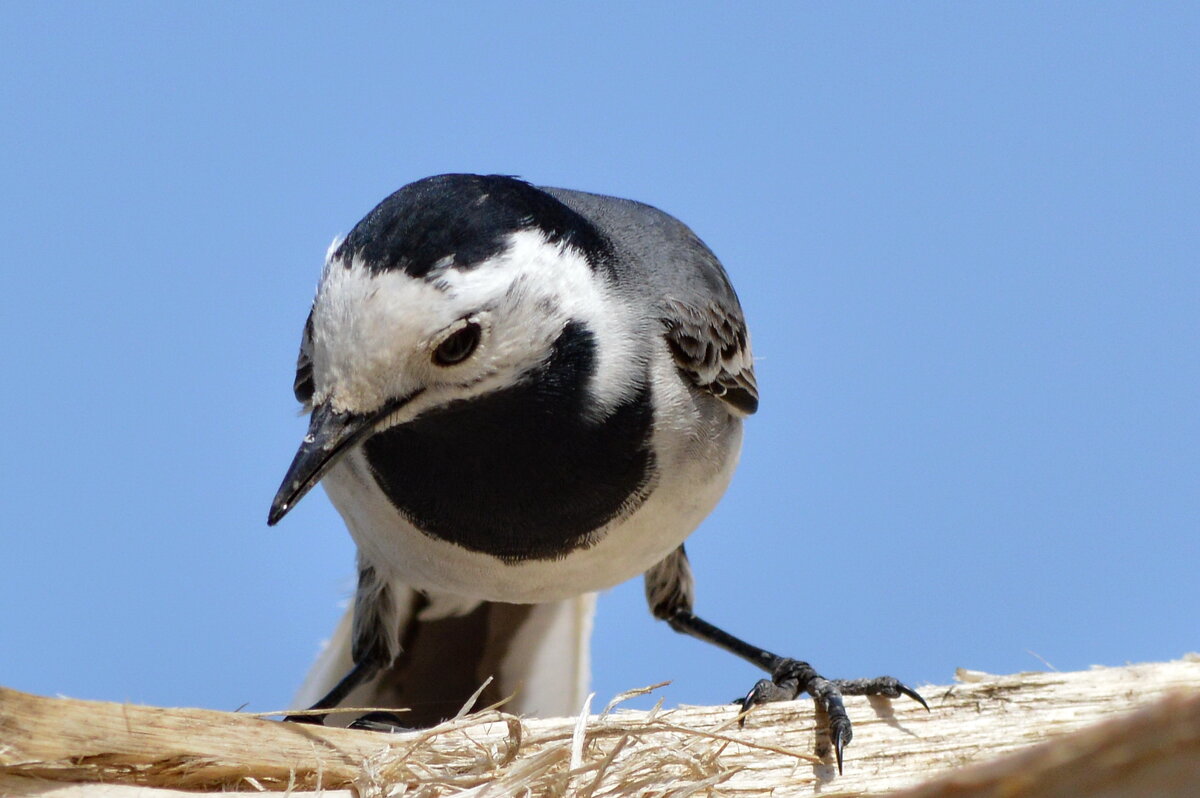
746,703
913,694
792,677
315,720
388,722
839,744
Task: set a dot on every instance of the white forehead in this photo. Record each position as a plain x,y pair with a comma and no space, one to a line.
366,324
358,303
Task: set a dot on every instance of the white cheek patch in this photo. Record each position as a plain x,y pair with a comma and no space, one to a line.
543,286
369,331
372,332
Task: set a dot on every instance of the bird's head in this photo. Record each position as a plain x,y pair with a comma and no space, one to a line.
452,288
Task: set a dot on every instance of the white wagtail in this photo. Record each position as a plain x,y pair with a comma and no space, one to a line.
520,395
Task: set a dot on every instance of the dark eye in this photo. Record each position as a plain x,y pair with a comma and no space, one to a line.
458,347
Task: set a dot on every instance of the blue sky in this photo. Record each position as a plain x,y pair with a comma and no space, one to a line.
965,236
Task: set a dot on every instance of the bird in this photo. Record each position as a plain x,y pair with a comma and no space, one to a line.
519,396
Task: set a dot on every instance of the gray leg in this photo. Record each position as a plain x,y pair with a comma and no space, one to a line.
669,592
374,644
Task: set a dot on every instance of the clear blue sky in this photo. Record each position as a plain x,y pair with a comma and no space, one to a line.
965,236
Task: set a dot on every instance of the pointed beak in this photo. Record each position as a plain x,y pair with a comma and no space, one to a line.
330,435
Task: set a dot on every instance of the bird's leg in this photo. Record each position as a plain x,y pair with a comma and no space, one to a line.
361,672
791,677
669,592
373,639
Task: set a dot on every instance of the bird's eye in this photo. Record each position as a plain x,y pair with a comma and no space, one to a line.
458,346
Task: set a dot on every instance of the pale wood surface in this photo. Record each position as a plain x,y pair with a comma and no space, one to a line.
49,746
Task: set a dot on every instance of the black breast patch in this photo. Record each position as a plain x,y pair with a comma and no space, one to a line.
521,473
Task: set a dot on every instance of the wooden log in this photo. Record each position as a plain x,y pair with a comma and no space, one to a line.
1081,732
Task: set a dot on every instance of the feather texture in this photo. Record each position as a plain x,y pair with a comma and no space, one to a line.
712,348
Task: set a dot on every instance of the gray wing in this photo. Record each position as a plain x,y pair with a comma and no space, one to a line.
303,384
712,349
700,313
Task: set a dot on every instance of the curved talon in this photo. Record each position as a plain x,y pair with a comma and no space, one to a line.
791,677
839,741
386,722
313,720
744,709
840,730
748,702
763,691
913,694
745,705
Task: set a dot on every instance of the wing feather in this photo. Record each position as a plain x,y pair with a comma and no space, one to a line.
712,348
303,384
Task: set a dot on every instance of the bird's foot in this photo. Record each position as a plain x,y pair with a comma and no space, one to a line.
791,677
372,721
312,720
380,722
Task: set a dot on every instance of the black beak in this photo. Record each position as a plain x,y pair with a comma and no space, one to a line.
330,435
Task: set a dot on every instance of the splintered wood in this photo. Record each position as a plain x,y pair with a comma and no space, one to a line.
1109,731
